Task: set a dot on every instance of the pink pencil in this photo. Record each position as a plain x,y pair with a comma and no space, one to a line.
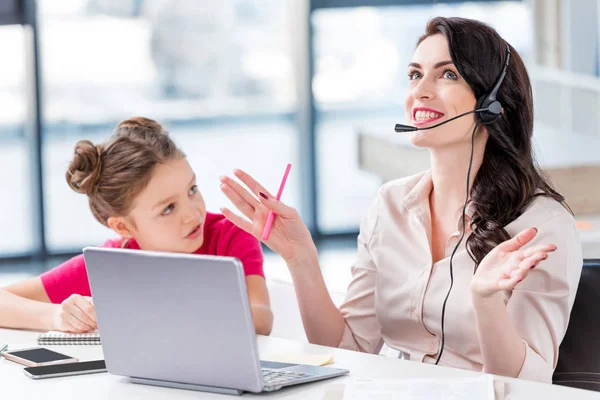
271,217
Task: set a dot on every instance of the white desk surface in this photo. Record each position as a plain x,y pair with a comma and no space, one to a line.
15,385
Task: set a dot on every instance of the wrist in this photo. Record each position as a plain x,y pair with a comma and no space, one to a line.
303,257
303,260
487,301
47,316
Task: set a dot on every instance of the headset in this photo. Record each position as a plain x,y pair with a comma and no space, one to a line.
487,110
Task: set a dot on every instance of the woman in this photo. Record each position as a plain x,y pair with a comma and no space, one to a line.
516,274
141,186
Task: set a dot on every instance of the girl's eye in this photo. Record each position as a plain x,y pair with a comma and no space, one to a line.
193,190
169,209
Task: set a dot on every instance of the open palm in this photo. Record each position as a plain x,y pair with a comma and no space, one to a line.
289,235
507,264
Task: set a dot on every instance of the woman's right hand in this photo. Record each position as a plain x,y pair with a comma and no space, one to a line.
289,236
76,314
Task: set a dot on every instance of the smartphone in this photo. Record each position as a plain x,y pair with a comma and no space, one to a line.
77,368
37,357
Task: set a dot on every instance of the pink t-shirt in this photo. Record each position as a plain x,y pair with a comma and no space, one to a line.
221,238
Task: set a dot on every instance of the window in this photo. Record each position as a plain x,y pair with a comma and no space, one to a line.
218,75
359,82
16,221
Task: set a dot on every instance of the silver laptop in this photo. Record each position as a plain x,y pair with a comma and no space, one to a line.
184,321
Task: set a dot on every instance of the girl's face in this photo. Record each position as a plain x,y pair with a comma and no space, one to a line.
169,214
436,92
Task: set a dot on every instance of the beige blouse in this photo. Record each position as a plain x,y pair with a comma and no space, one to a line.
396,293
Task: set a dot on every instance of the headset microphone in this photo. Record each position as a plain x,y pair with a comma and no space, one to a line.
408,128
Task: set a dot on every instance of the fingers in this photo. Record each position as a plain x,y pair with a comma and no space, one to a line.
237,220
535,249
276,206
238,201
265,198
254,186
77,325
522,269
87,313
79,313
248,197
521,239
68,327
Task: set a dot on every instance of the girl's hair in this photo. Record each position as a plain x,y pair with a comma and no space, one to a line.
112,174
509,178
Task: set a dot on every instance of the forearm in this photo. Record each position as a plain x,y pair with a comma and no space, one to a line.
21,313
323,321
263,319
501,346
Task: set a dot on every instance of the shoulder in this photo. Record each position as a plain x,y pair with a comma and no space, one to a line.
555,225
114,243
217,223
220,229
545,213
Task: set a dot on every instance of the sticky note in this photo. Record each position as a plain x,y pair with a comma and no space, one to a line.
583,225
304,359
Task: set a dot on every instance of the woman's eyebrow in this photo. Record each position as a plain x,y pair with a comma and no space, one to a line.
437,65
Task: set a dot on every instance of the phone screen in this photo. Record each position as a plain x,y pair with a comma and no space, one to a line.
39,355
83,366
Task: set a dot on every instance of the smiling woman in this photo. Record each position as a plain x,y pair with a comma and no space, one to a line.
516,274
140,185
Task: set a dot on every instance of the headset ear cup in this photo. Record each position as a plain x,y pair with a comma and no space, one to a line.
492,112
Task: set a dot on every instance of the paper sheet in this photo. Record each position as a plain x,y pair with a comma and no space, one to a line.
480,388
305,359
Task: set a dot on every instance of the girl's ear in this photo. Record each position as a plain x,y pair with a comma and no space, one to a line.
121,226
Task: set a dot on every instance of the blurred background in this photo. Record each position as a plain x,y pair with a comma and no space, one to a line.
256,84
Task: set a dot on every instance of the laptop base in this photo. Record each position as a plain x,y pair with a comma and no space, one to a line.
187,386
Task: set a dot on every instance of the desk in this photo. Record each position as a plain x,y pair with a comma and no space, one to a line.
106,386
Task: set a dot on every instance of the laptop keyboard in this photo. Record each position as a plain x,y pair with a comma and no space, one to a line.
276,377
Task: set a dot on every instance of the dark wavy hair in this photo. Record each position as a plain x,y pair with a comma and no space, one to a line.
509,178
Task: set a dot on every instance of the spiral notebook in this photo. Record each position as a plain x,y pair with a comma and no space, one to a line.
62,338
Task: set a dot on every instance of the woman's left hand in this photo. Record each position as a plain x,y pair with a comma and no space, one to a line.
506,265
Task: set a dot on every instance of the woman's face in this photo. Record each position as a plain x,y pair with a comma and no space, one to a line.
436,92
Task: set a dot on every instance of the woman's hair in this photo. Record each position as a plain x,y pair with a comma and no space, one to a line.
509,178
112,174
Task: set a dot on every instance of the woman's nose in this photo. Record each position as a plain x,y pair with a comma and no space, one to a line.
424,90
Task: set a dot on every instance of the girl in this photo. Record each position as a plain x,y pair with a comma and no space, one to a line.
140,185
516,273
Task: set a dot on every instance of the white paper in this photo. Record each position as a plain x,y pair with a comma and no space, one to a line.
480,388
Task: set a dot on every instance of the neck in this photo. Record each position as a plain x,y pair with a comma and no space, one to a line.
449,166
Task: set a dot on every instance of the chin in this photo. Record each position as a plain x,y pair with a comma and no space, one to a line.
194,245
424,139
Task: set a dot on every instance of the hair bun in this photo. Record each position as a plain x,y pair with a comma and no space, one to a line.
84,170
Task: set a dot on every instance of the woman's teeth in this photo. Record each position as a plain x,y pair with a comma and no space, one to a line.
424,115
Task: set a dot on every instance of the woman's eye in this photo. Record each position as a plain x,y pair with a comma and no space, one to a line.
193,190
168,210
449,74
412,75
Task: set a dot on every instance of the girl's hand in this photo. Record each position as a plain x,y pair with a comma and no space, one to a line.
75,314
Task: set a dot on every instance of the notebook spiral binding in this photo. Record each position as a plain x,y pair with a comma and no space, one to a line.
59,338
